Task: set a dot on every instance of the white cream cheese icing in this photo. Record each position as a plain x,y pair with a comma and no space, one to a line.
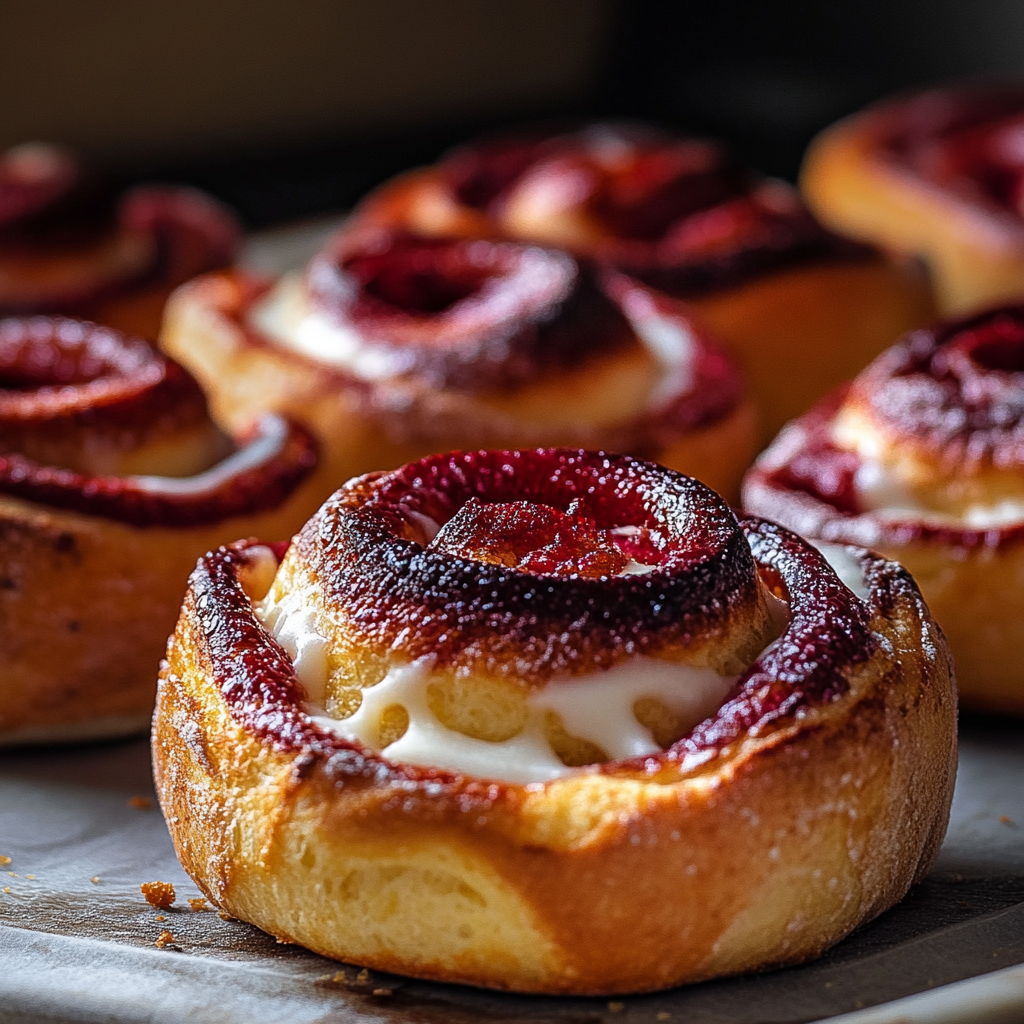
597,707
271,435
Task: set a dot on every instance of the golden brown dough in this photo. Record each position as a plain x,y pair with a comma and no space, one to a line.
805,800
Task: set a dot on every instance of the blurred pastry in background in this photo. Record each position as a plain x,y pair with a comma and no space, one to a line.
939,174
113,481
922,459
392,345
802,308
67,246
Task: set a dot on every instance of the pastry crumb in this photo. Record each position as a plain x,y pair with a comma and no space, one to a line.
142,803
7,888
165,939
158,894
95,879
362,975
5,861
199,903
664,1016
225,916
382,991
1005,819
160,917
616,1007
31,878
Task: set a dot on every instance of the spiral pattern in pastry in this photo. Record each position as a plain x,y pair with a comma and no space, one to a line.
492,701
922,459
939,174
392,346
801,308
113,480
65,250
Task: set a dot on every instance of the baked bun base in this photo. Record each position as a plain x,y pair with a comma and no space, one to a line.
764,853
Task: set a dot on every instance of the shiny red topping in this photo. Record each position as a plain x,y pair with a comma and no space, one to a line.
463,314
958,388
534,538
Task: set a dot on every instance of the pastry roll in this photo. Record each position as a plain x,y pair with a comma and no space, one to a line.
493,703
922,459
65,248
113,480
802,308
392,346
940,175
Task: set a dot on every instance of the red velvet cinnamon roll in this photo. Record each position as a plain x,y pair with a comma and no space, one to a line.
939,174
491,703
392,346
802,309
66,249
922,459
113,480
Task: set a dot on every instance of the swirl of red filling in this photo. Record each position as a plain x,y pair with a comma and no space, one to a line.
64,250
680,214
523,575
941,413
472,315
96,422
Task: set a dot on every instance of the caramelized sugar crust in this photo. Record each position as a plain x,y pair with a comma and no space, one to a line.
514,591
85,409
805,806
65,247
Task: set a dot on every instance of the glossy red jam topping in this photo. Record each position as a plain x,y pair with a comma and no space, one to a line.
537,539
464,314
568,519
959,389
78,400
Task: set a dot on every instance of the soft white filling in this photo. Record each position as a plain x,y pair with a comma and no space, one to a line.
597,707
883,493
847,567
269,441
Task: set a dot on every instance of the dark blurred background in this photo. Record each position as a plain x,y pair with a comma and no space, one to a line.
287,110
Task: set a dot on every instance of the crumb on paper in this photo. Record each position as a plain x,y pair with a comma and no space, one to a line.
1005,819
614,1007
199,903
664,1016
166,938
141,803
160,917
7,888
5,861
95,879
225,916
382,991
13,874
31,878
158,894
362,976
